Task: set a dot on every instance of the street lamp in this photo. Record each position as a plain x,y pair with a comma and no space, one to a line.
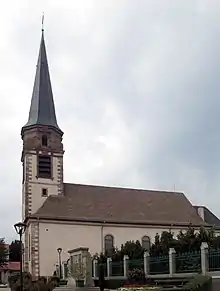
20,228
59,250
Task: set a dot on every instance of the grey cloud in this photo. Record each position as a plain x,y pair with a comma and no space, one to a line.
136,85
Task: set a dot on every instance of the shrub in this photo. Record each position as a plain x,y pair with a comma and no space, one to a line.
199,282
136,275
29,285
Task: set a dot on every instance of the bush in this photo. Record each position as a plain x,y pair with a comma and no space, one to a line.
136,275
200,283
29,285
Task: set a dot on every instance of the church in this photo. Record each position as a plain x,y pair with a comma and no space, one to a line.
68,216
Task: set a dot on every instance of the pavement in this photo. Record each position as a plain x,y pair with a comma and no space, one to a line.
215,284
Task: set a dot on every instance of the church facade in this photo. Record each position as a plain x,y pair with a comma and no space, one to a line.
68,216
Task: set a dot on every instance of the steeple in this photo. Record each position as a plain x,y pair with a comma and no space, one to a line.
42,110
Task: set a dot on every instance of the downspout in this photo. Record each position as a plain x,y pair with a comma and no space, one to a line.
102,238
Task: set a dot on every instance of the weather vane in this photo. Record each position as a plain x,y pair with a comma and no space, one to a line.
42,23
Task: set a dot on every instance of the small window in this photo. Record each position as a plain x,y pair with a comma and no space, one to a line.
146,243
44,141
44,192
44,167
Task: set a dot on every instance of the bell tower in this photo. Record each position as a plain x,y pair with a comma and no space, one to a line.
42,155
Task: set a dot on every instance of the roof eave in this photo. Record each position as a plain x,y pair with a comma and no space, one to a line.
34,126
101,221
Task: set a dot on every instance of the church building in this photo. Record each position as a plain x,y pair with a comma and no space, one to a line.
68,216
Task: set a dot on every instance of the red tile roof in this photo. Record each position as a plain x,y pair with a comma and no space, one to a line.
12,266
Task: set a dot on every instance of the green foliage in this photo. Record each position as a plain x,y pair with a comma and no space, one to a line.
187,245
3,252
132,249
162,244
186,241
29,285
136,275
15,251
199,282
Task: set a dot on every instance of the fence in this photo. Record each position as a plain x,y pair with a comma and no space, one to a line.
203,261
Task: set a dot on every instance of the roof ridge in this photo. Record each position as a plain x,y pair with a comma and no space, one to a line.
126,188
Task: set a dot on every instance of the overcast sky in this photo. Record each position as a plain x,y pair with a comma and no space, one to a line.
137,92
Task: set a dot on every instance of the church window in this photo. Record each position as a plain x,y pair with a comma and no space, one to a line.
146,243
44,167
109,244
44,141
44,192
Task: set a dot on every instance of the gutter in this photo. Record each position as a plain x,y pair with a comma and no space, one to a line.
129,223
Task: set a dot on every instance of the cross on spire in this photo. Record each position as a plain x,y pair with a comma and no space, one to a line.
42,23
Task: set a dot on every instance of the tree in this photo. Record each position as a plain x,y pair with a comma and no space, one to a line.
3,252
132,249
15,251
186,241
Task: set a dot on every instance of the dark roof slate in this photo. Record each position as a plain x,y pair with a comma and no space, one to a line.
119,205
42,109
209,216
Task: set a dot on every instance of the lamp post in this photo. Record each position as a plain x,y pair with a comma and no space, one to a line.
20,228
59,250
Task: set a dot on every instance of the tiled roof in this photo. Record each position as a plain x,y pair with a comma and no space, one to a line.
209,217
12,266
119,205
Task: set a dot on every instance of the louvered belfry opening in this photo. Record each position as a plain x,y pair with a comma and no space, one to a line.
44,167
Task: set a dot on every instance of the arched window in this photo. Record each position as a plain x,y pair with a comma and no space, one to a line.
44,141
109,244
146,243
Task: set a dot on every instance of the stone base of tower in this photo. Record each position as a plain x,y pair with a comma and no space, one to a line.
31,250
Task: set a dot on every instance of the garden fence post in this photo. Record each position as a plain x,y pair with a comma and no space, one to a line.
204,258
126,262
63,269
146,263
109,267
95,268
172,261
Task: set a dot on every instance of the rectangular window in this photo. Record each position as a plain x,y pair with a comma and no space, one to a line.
44,167
44,192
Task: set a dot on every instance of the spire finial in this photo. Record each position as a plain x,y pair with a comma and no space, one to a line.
42,23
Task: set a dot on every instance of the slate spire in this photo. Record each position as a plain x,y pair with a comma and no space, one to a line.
42,110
